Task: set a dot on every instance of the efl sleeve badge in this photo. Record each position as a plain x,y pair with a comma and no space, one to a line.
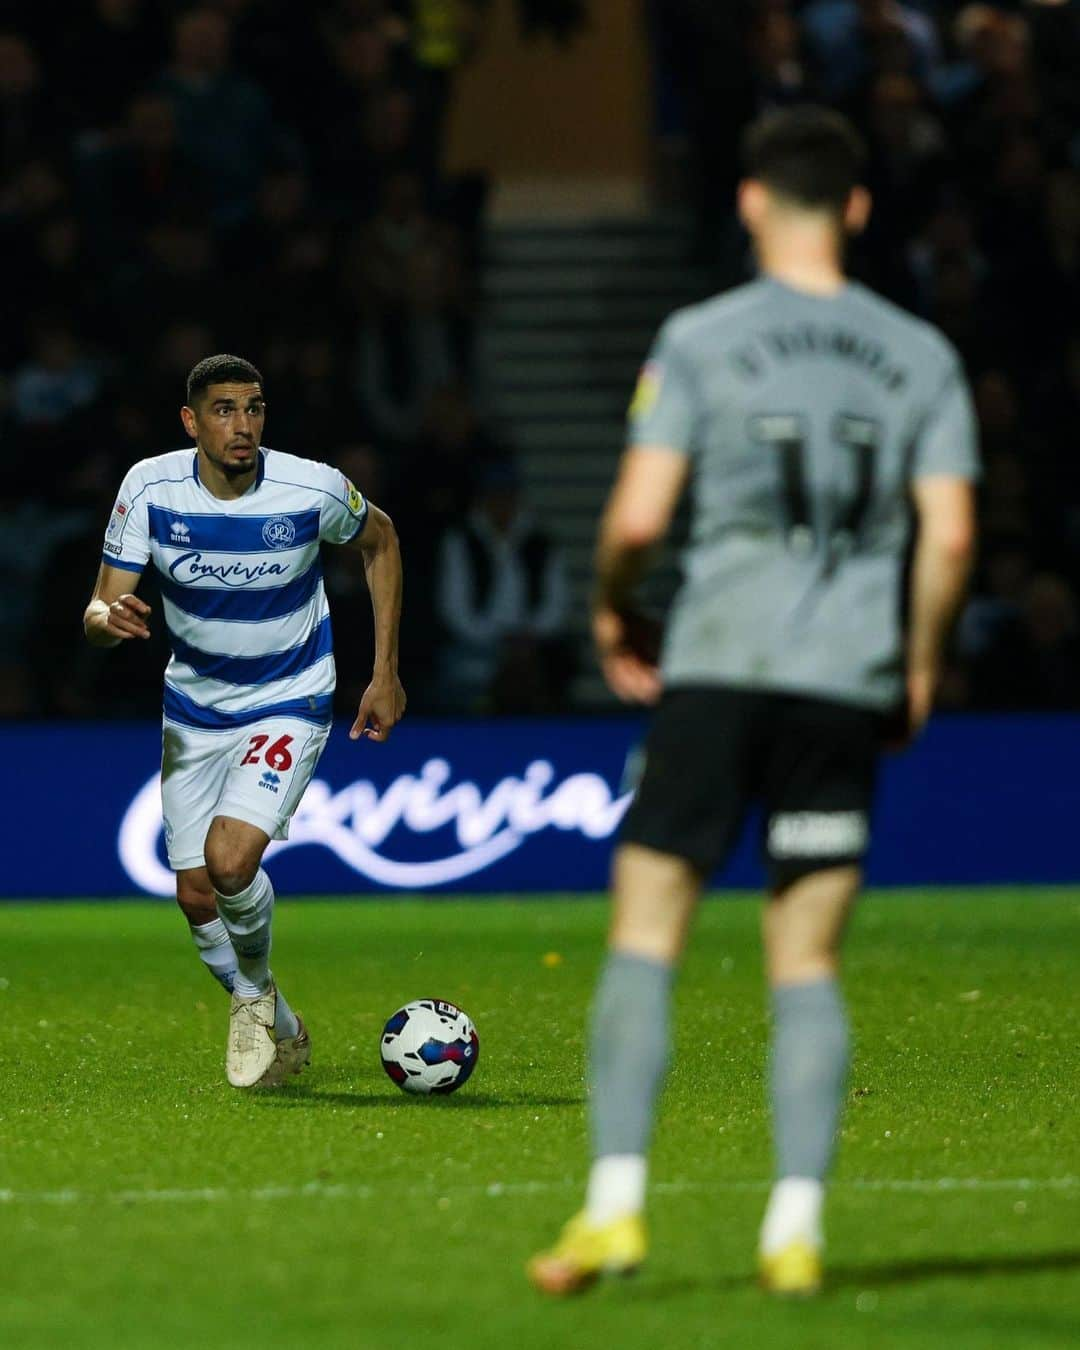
647,391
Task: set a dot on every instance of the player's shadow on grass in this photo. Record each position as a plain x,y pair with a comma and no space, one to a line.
305,1097
945,1267
874,1277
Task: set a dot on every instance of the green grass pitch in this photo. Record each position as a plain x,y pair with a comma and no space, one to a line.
144,1205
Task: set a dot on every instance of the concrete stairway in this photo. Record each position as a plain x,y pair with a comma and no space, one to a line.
570,311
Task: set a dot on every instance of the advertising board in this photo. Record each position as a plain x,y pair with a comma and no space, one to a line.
518,806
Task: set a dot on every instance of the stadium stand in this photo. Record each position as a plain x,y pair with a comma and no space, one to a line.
264,177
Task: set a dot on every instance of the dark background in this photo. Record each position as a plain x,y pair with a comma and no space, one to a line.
267,177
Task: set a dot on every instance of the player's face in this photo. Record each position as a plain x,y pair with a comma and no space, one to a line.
227,423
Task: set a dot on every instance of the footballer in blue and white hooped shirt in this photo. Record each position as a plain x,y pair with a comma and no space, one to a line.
233,530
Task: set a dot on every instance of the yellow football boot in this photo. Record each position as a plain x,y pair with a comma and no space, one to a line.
583,1253
794,1271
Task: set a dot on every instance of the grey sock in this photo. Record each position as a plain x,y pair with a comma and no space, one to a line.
628,1052
808,1072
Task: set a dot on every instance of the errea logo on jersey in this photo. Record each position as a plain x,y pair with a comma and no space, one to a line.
179,532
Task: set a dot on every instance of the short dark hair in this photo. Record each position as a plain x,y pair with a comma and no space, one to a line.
223,369
810,155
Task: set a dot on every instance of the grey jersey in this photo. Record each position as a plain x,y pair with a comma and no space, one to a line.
805,419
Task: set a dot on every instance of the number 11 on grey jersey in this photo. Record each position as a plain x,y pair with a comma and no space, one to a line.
805,418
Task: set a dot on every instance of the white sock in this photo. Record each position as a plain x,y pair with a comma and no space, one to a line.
793,1212
285,1022
616,1187
216,951
247,916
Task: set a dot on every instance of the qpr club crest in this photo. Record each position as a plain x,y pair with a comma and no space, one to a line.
278,532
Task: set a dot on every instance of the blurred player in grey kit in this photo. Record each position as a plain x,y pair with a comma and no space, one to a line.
812,421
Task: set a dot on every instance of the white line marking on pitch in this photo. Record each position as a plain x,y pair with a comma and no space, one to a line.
320,1190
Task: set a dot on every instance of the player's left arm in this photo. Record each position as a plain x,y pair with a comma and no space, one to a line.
940,569
637,517
945,471
383,703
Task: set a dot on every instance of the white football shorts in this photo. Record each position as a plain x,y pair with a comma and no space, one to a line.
257,774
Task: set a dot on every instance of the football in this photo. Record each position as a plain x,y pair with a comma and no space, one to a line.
429,1046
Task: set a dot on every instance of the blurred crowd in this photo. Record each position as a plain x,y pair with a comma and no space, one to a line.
255,176
972,114
267,177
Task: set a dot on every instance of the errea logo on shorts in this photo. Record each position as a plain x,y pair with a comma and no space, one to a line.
278,532
818,834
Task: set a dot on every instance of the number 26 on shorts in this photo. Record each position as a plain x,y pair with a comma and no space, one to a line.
277,756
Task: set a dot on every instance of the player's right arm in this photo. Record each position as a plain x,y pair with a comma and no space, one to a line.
651,478
637,517
115,613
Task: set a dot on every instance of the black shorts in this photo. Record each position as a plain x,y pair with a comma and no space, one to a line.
712,751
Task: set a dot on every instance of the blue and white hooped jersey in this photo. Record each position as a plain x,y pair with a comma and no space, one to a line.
241,583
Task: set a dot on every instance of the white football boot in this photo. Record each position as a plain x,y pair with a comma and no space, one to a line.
293,1053
251,1048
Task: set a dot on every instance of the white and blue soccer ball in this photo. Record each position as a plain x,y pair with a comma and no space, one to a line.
429,1046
